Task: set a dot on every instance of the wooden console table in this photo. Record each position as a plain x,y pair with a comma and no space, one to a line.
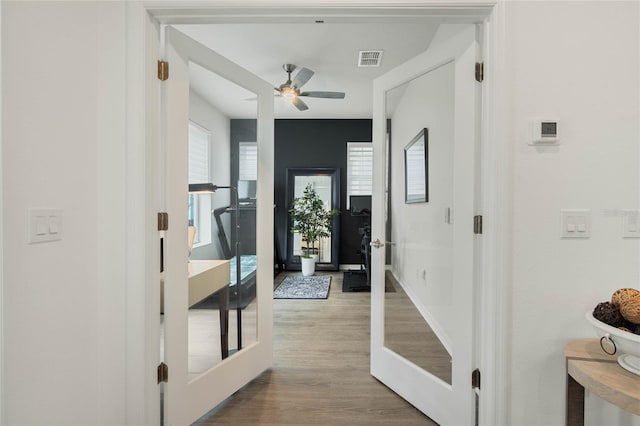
588,367
205,278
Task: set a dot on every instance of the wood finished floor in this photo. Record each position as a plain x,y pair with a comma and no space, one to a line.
321,370
204,336
407,332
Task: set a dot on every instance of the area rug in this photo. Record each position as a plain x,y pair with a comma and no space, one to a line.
353,281
356,281
299,287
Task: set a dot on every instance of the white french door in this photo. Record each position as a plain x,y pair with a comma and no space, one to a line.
432,100
188,394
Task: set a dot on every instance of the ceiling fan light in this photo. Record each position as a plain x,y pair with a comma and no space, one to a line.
288,93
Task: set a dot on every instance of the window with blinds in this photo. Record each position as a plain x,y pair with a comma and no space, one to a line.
359,169
199,172
199,144
248,161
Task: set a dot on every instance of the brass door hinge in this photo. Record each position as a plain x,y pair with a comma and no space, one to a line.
477,224
163,221
163,70
479,72
163,373
475,379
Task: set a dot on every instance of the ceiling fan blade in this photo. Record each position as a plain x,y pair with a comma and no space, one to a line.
302,77
331,95
299,104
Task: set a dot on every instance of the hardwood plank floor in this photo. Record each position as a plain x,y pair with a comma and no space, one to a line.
321,370
407,333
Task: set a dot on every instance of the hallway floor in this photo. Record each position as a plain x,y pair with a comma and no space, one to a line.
321,370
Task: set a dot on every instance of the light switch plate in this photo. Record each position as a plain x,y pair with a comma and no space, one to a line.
575,223
44,225
630,223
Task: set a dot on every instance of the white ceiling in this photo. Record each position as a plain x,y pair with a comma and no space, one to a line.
329,49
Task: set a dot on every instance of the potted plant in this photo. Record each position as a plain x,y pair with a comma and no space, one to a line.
312,221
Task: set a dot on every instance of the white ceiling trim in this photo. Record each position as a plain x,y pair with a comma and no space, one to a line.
192,12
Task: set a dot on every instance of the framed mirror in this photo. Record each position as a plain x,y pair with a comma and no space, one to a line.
416,176
326,182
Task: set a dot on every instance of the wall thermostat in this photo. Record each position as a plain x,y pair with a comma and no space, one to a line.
545,132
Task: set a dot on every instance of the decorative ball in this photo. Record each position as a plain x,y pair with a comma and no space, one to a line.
609,314
623,295
631,327
630,310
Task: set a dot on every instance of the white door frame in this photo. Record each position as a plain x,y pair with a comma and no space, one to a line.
2,375
142,308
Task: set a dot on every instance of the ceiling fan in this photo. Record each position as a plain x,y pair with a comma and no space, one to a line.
290,89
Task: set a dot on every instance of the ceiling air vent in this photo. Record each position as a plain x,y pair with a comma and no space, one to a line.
369,58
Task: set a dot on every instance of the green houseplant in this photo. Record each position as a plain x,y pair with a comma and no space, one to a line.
312,221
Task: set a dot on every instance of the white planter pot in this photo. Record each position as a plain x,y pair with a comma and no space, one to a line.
308,266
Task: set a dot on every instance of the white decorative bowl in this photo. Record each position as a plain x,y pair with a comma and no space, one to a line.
618,342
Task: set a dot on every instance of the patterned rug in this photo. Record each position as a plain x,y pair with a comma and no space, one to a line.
299,287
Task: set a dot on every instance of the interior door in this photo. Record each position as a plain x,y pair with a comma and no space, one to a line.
189,395
431,103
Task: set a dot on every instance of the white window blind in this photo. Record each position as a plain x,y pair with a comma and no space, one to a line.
199,172
248,161
199,142
415,170
359,169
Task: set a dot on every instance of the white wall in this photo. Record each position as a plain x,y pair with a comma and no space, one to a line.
577,62
63,122
423,239
207,116
1,246
64,146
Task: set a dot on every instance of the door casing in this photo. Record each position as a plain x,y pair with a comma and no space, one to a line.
142,123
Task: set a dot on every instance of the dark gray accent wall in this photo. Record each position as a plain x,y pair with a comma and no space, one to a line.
309,143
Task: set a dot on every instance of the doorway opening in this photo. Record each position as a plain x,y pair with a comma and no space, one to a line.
168,19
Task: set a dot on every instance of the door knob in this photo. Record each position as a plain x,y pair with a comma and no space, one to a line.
377,243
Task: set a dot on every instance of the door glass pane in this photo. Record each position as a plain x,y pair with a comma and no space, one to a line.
418,297
222,307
